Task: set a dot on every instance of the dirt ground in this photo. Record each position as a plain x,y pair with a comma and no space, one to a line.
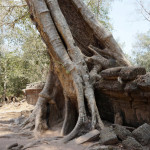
9,133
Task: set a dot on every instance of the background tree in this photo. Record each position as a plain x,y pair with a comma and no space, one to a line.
21,36
142,45
11,73
22,50
142,50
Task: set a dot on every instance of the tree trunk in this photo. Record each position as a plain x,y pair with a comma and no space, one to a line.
80,48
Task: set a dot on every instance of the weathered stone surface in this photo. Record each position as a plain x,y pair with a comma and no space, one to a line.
131,144
142,134
121,132
131,87
137,94
111,73
129,116
92,135
135,108
130,73
108,137
143,115
104,147
139,104
118,118
117,94
111,85
35,85
144,82
32,92
146,94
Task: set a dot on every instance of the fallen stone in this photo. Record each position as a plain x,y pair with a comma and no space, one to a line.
104,147
142,134
121,132
92,135
111,73
108,137
130,73
129,128
131,144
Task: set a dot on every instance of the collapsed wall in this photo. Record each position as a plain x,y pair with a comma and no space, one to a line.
124,91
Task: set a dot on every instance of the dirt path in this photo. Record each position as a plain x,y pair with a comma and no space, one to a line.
9,131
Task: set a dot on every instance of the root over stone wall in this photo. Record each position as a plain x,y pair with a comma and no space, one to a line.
124,91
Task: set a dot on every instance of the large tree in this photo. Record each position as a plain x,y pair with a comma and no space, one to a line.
21,37
79,48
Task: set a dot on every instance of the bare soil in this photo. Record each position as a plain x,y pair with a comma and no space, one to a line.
10,134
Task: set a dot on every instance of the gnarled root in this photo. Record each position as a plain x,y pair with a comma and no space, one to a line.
71,55
78,83
39,120
71,116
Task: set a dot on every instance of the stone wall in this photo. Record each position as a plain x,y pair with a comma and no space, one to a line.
124,90
32,95
32,92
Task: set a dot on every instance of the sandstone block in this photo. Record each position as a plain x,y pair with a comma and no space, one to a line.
142,134
111,73
92,135
121,132
108,137
131,144
130,73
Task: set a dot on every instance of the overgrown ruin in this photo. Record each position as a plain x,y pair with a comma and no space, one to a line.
89,76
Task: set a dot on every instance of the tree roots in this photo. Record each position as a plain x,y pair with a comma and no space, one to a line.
72,74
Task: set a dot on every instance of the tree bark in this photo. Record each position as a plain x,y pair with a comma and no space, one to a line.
80,48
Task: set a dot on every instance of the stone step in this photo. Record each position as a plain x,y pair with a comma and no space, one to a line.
90,136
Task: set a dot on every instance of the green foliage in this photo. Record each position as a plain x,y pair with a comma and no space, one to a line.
142,50
101,10
11,66
23,55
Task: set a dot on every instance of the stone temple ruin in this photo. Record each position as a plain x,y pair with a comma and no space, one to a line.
122,94
125,91
123,99
86,63
32,92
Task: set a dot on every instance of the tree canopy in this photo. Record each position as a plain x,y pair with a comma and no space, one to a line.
22,51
